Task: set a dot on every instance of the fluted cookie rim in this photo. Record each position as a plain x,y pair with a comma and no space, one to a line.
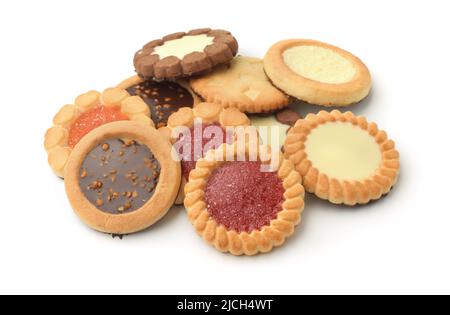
347,192
186,116
150,66
56,138
244,243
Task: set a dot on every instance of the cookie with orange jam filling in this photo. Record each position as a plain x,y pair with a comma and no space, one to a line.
90,111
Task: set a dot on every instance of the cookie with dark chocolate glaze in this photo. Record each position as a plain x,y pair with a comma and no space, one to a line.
185,54
162,98
121,178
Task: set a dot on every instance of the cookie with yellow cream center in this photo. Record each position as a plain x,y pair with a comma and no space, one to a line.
89,111
317,73
343,158
121,177
240,206
273,128
185,54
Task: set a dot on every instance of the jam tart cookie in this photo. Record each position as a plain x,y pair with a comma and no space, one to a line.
317,73
242,84
162,98
198,120
89,111
343,158
185,54
241,209
122,186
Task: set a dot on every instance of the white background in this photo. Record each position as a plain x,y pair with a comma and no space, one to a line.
51,51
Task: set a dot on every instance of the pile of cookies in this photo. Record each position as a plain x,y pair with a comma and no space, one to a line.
117,150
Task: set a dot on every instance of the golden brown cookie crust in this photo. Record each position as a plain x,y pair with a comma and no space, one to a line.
263,241
312,91
149,65
351,192
165,193
243,84
209,113
57,137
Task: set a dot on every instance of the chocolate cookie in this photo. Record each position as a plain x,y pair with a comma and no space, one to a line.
162,98
121,178
185,54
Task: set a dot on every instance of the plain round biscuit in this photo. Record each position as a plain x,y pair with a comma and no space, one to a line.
243,85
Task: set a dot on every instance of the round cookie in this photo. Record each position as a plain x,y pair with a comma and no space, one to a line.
240,208
185,54
89,111
317,73
162,98
273,128
242,84
343,158
198,120
122,186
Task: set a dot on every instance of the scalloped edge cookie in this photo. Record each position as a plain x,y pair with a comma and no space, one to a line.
244,85
312,91
150,66
166,189
341,191
56,138
209,113
259,241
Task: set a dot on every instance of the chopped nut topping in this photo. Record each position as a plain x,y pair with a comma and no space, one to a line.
96,185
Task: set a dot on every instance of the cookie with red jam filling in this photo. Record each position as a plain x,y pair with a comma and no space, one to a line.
244,207
205,128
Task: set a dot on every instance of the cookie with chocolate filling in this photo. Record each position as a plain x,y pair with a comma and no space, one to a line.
243,206
343,158
89,111
241,84
185,54
121,178
317,73
273,128
162,98
205,127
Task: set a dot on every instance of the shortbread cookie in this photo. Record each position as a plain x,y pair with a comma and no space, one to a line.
122,186
185,54
243,84
343,158
317,73
273,128
89,111
239,207
206,122
162,98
